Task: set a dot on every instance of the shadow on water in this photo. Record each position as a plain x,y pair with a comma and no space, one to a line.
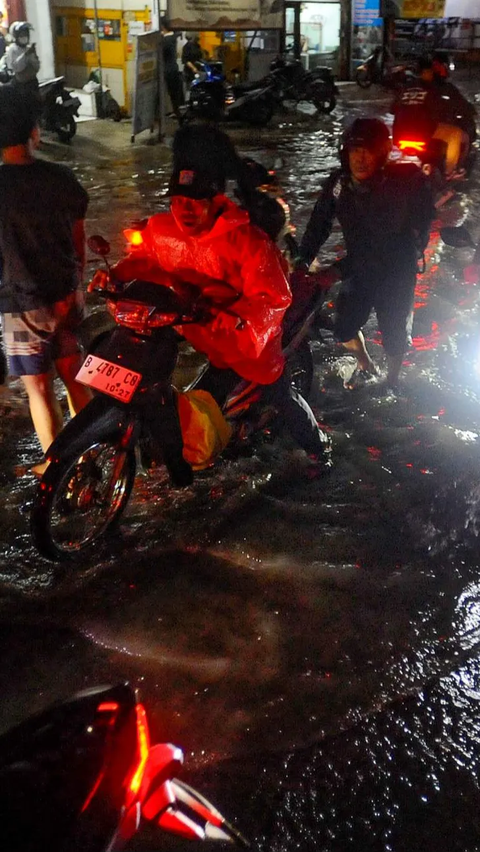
263,611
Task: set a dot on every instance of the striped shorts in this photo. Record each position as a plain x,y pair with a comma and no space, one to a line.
35,339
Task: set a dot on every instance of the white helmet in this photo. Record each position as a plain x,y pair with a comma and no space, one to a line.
19,29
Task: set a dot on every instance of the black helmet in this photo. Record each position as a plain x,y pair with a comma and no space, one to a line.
370,133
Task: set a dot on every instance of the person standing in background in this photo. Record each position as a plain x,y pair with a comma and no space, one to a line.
173,79
191,53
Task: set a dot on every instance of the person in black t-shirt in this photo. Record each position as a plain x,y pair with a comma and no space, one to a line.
42,253
173,79
191,53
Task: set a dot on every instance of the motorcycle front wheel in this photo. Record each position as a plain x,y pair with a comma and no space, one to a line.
363,77
260,114
80,497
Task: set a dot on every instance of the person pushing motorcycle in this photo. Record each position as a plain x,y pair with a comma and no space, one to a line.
385,211
206,238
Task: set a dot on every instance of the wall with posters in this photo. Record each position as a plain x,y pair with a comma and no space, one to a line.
79,43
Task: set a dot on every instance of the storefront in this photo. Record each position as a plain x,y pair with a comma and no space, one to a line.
84,41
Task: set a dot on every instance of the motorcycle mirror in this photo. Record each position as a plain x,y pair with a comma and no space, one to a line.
98,245
457,237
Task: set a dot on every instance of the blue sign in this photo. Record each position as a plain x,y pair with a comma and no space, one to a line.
366,13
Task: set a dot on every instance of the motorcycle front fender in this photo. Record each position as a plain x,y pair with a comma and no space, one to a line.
100,420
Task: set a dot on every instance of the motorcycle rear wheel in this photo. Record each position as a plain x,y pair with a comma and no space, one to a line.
324,104
66,128
363,78
80,497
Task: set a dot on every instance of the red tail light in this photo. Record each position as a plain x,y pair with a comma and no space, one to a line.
411,145
143,749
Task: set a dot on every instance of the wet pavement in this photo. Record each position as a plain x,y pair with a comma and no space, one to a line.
312,643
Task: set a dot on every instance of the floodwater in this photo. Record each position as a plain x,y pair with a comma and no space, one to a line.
311,643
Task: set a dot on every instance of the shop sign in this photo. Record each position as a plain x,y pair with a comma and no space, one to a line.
413,8
221,15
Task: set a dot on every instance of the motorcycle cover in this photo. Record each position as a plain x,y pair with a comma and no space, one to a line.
205,431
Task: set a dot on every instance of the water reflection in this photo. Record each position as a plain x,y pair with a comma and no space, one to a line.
263,610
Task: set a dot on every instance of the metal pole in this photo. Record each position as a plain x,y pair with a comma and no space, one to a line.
100,72
161,80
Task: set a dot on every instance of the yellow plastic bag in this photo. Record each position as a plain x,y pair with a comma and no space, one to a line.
205,431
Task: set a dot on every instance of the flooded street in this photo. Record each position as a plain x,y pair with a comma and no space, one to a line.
311,643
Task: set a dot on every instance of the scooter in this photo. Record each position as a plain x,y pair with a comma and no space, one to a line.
59,109
92,463
374,71
82,776
213,98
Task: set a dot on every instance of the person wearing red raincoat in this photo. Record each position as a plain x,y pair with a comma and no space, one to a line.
205,239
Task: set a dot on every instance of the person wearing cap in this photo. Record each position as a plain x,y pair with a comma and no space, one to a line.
42,212
385,211
206,238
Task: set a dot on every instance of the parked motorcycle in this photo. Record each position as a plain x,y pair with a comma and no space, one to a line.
212,97
373,70
59,109
82,776
92,463
294,82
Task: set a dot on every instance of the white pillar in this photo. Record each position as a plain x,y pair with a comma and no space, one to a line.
39,15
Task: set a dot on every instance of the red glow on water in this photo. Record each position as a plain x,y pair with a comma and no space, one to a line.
428,341
143,744
374,452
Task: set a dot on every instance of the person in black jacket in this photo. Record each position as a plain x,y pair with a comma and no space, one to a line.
385,211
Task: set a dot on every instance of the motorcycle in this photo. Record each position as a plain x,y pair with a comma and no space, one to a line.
293,82
92,463
374,71
59,109
416,143
212,97
82,776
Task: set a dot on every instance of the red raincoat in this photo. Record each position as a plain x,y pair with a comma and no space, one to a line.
236,253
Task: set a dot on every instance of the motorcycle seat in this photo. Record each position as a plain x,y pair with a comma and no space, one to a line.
53,82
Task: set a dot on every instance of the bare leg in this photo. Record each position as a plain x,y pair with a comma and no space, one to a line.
45,409
357,347
78,395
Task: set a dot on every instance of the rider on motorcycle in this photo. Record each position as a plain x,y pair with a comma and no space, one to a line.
435,109
210,151
20,61
385,211
207,238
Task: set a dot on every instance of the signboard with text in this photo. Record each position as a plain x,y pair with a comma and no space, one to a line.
412,8
226,14
145,91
